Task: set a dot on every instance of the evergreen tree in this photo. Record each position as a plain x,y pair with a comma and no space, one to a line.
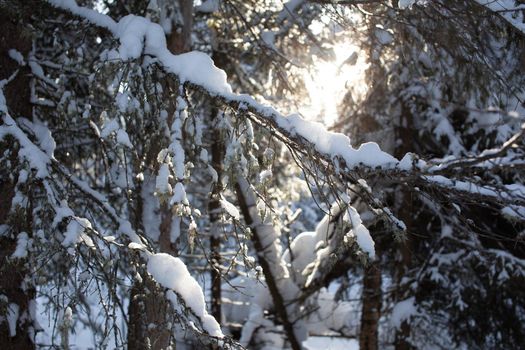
139,181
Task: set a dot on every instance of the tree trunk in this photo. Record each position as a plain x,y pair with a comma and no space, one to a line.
214,209
148,327
180,42
404,203
14,274
147,306
403,333
214,206
371,308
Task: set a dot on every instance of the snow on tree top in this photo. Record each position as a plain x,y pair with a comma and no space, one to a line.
139,35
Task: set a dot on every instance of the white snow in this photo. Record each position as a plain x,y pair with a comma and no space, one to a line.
288,9
38,72
178,159
364,240
75,232
151,207
265,175
268,37
336,144
13,312
384,36
213,174
510,10
136,246
109,126
330,343
268,235
311,250
138,34
514,211
89,14
162,182
123,138
208,6
179,195
43,135
17,56
230,209
126,229
95,128
204,155
507,192
122,100
402,311
37,159
303,252
173,274
21,246
403,4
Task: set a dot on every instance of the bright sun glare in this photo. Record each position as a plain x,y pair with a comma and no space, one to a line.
328,82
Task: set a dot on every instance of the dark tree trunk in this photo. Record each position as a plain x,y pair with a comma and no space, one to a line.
148,304
371,308
14,281
216,308
214,209
403,333
148,307
214,206
180,42
404,203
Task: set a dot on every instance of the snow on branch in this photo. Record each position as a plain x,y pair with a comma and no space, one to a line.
139,36
168,271
172,273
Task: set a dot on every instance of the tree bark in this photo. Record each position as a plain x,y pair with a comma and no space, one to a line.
14,273
214,208
148,310
180,41
147,306
404,203
371,308
403,333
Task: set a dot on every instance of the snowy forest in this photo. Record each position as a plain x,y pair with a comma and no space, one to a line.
262,174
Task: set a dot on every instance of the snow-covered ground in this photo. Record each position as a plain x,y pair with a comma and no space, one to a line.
331,343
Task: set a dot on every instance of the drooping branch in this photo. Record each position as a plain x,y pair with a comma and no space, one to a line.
333,151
